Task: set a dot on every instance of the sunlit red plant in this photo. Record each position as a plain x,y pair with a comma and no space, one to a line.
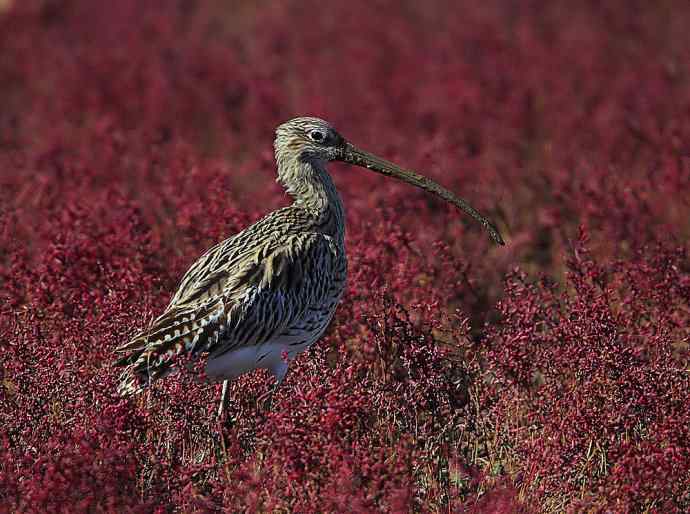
549,375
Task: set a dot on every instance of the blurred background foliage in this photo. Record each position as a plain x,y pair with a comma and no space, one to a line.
549,375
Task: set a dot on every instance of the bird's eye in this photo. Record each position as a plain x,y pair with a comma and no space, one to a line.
317,136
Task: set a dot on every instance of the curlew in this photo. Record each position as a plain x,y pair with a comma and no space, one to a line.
259,298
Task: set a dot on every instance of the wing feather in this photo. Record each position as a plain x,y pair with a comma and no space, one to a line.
234,297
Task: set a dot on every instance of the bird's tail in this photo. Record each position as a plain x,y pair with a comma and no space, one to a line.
151,354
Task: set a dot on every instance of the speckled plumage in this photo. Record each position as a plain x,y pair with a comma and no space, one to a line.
272,287
262,296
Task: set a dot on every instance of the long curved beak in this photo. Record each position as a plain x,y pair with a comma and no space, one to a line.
353,155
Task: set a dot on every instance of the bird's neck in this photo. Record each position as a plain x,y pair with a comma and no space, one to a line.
312,189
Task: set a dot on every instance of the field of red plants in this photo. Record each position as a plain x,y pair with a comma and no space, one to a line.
549,375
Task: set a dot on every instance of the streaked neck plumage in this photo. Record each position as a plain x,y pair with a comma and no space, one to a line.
312,188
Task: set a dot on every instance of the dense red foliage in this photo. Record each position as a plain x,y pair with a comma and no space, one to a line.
547,375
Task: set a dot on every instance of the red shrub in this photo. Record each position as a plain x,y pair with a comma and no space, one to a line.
135,134
76,472
594,380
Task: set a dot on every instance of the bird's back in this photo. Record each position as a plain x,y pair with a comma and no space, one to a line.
224,259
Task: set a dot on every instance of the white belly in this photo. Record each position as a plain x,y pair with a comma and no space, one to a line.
232,364
274,355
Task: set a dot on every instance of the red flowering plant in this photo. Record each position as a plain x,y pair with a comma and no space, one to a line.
549,375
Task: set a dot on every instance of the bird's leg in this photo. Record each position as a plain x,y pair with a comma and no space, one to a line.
279,373
222,398
269,401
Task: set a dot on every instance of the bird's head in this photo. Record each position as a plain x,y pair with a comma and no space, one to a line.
308,139
314,140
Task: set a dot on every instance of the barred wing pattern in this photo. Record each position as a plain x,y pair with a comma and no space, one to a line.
226,257
238,294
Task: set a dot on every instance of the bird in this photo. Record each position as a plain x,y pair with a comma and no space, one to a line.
264,295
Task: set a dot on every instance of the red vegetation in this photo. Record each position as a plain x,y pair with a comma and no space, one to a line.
549,375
